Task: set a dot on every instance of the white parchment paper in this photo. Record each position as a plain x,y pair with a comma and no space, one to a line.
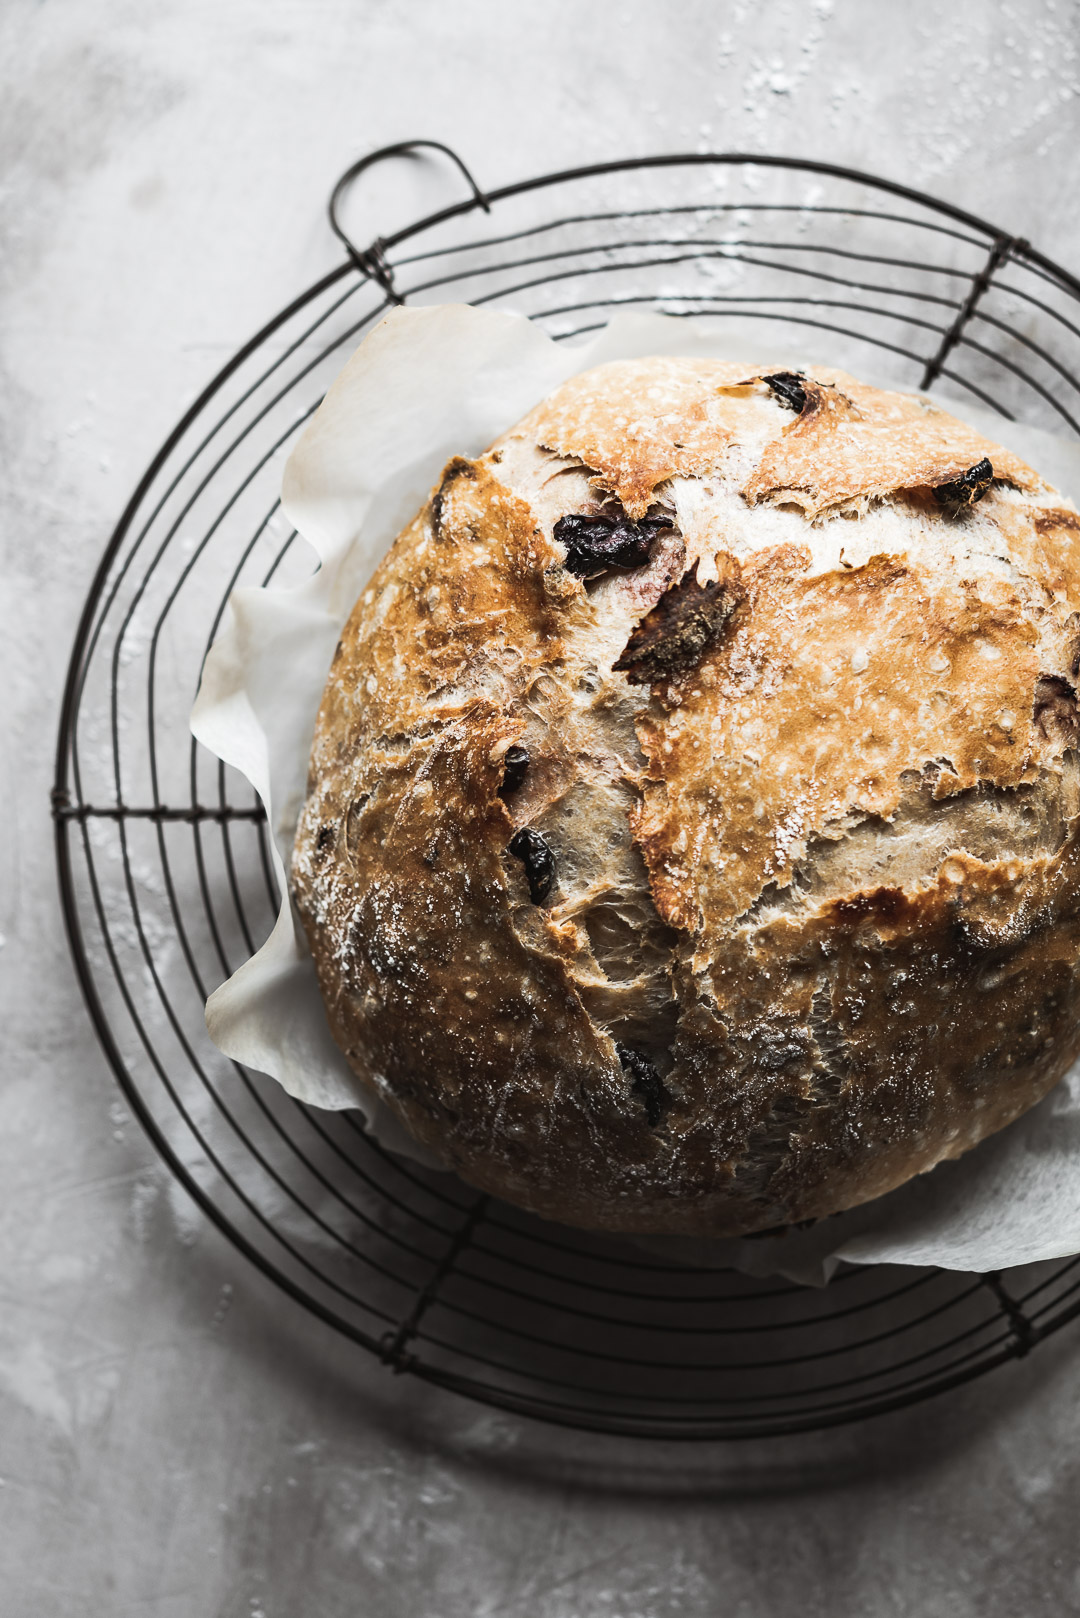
424,385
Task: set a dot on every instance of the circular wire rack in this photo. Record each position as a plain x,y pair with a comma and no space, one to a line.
163,852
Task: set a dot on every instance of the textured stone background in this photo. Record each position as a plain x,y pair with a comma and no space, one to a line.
175,1439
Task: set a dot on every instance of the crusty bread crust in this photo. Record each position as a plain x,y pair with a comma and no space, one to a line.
814,924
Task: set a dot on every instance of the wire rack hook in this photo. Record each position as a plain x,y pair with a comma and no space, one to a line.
372,260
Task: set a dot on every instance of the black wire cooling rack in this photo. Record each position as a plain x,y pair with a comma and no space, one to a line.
163,855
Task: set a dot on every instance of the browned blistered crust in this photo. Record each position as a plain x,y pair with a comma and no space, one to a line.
824,878
852,441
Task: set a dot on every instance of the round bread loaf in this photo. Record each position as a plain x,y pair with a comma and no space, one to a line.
692,832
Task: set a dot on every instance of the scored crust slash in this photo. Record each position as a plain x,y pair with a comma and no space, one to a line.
693,834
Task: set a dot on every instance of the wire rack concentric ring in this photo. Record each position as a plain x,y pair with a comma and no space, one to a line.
164,862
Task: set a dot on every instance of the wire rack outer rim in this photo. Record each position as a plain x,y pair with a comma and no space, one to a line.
63,813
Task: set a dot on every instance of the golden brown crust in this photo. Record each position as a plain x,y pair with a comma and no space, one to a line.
829,690
636,423
851,441
815,917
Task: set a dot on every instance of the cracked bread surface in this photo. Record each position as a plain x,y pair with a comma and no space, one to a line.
808,777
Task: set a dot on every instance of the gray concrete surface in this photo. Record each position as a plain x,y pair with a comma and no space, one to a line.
176,1441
